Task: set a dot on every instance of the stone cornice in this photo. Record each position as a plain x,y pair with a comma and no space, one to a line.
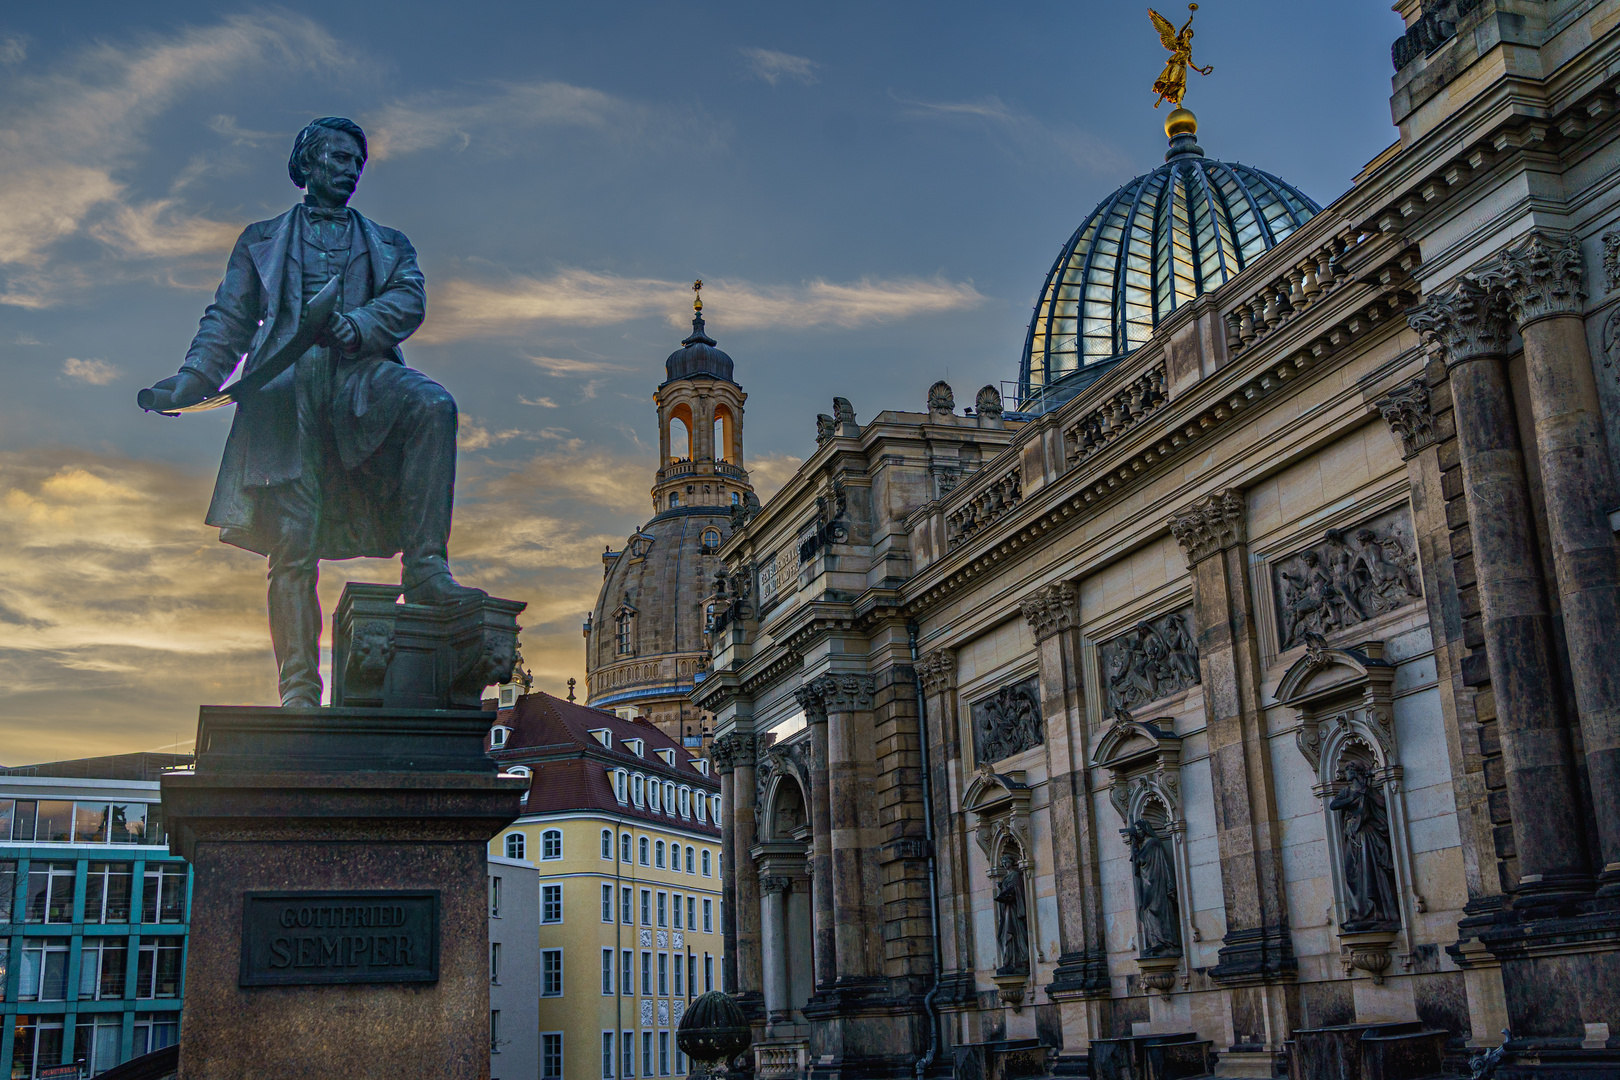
1052,610
1539,279
937,670
1466,321
1211,525
1406,410
735,751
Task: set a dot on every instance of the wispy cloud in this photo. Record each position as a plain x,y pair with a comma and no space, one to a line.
13,50
456,120
558,365
772,66
1019,133
69,133
463,309
94,372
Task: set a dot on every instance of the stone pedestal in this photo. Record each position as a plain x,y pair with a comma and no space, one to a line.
1152,1057
339,921
1408,1051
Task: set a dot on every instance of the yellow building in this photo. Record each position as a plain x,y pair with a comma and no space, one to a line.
623,826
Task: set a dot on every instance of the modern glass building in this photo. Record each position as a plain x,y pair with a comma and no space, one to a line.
93,915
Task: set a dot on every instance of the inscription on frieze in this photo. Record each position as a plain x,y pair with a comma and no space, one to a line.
1008,721
1349,577
1152,660
311,938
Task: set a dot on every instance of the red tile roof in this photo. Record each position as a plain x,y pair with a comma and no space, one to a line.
552,737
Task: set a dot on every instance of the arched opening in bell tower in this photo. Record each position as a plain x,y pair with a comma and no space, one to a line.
680,433
724,434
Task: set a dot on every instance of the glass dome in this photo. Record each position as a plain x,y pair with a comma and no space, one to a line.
1153,245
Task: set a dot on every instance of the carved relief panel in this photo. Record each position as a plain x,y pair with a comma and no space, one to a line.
1007,722
1350,576
1150,661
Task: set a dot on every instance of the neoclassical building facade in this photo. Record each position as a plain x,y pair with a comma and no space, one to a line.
1246,696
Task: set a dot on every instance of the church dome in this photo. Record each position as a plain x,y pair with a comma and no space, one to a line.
1150,247
698,356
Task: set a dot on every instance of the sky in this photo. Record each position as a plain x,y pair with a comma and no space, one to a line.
872,193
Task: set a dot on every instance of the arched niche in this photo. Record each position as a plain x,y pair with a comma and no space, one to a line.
999,803
1346,733
1143,760
781,808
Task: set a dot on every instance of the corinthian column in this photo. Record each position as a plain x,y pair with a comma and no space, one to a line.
821,889
1541,784
734,757
1257,948
848,701
937,670
1542,283
1053,614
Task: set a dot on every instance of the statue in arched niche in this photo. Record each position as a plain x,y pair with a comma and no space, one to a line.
1012,917
1158,914
1369,863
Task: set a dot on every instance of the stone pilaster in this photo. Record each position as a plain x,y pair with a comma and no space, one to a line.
1257,949
848,701
821,889
1541,282
937,671
1053,614
734,758
1471,330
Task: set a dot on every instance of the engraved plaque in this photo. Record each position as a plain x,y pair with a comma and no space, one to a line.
311,938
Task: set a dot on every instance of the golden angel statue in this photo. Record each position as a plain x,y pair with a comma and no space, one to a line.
1172,83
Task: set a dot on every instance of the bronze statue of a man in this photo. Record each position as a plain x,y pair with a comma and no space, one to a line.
347,452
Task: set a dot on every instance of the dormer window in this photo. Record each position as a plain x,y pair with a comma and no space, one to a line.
669,796
604,736
637,747
507,696
621,780
668,756
686,802
655,795
518,770
701,765
638,787
497,736
702,808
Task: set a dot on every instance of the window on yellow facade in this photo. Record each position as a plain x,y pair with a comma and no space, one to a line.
690,852
644,846
551,973
663,974
607,843
515,844
708,914
663,909
707,871
551,844
625,914
646,907
607,990
607,903
658,855
646,974
551,904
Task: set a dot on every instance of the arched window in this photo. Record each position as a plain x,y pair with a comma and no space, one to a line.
711,541
736,498
714,807
658,855
669,796
690,851
551,844
725,435
702,808
515,844
620,781
674,500
686,802
655,795
680,433
643,845
624,632
624,848
708,869
637,789
607,843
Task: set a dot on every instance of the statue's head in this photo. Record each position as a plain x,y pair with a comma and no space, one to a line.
327,158
1355,772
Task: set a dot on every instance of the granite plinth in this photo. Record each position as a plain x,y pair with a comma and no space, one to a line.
354,803
1388,1051
1153,1057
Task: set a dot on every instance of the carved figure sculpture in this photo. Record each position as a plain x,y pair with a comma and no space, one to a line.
1369,866
1158,914
1008,722
1346,579
339,449
1150,661
1012,918
1171,85
371,650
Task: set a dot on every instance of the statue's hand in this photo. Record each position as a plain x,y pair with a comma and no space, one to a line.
175,392
341,330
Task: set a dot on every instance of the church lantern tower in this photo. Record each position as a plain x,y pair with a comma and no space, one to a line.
644,642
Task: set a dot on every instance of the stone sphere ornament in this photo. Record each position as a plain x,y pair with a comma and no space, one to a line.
714,1030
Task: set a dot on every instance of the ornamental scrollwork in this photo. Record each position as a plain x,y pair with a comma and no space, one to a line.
1211,524
1541,277
1052,610
1406,410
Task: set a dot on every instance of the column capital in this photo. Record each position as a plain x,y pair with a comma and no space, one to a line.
734,751
937,670
809,699
1406,410
845,692
1211,524
775,883
1539,278
1052,609
1466,321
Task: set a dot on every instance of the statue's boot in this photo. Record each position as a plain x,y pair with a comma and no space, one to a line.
295,631
427,486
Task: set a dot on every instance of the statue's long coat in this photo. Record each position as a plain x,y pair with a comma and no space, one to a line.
255,311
